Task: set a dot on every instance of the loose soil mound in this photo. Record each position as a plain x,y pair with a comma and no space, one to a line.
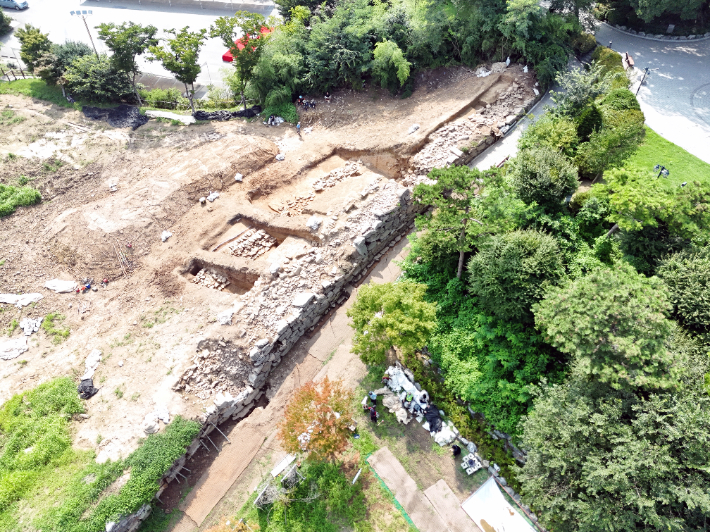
121,116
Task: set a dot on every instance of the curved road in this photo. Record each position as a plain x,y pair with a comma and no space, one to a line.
675,97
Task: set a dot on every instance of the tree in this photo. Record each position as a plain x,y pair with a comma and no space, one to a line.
68,52
93,78
244,28
127,42
391,314
579,87
33,43
575,6
603,460
48,68
5,26
180,55
556,133
390,66
687,276
638,199
589,121
613,322
647,10
543,176
511,272
316,420
621,134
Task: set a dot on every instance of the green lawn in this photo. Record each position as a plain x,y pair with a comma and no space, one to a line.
682,165
36,88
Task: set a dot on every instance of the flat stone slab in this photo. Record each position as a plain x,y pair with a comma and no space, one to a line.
302,299
415,503
448,505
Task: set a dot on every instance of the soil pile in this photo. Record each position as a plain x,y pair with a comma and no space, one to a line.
121,116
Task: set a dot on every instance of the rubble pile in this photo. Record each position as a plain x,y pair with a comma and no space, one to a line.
335,176
211,279
292,207
449,143
252,244
219,366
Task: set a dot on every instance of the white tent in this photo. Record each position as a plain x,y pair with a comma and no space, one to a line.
491,511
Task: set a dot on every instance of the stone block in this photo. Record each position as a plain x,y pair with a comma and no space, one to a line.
359,244
302,299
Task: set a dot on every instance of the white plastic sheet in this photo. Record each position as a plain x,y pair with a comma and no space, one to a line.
488,505
20,301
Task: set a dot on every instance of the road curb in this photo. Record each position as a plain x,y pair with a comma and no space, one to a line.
669,40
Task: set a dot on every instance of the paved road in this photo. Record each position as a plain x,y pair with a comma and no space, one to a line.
676,97
52,16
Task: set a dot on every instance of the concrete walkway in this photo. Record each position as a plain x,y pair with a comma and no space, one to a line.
435,510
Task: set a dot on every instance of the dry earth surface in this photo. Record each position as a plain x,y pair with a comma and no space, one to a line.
108,194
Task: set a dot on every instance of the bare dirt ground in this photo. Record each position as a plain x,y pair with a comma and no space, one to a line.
150,318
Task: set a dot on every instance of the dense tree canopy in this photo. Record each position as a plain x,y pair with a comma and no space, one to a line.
543,176
687,275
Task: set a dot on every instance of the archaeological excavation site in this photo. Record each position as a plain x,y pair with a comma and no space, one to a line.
194,259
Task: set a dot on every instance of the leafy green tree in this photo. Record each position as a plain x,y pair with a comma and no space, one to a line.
609,460
128,41
511,272
493,363
180,55
651,9
390,66
243,28
286,7
33,43
93,78
579,87
68,52
639,200
467,203
589,121
5,26
575,6
613,322
621,134
391,315
556,133
543,176
687,276
48,67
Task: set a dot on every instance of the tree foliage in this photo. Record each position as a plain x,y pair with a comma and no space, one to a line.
610,460
687,276
94,78
180,55
543,176
243,28
578,88
390,315
557,133
511,272
316,420
127,41
33,43
389,66
613,322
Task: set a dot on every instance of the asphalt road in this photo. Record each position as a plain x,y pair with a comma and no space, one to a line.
53,17
676,96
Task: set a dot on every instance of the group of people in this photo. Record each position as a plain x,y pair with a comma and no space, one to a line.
310,104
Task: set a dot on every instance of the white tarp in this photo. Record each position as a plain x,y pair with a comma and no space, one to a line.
60,287
491,511
91,363
21,300
13,348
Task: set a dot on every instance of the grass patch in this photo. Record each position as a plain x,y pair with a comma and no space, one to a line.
50,326
13,197
8,117
14,324
682,165
287,111
36,88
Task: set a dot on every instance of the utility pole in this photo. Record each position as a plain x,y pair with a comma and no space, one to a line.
83,15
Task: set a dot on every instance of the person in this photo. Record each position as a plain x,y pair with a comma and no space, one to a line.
298,129
327,96
373,397
300,100
386,379
373,414
407,401
456,450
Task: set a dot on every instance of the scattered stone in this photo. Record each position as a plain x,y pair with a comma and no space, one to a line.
165,235
211,279
252,244
280,157
313,223
213,196
412,128
239,178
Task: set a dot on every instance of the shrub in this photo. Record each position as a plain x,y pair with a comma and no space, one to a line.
543,176
584,43
287,111
94,79
588,122
512,271
389,66
164,98
49,68
611,65
5,26
13,197
620,100
49,325
557,133
69,52
33,43
687,275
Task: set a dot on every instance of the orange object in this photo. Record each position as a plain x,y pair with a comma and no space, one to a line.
241,43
